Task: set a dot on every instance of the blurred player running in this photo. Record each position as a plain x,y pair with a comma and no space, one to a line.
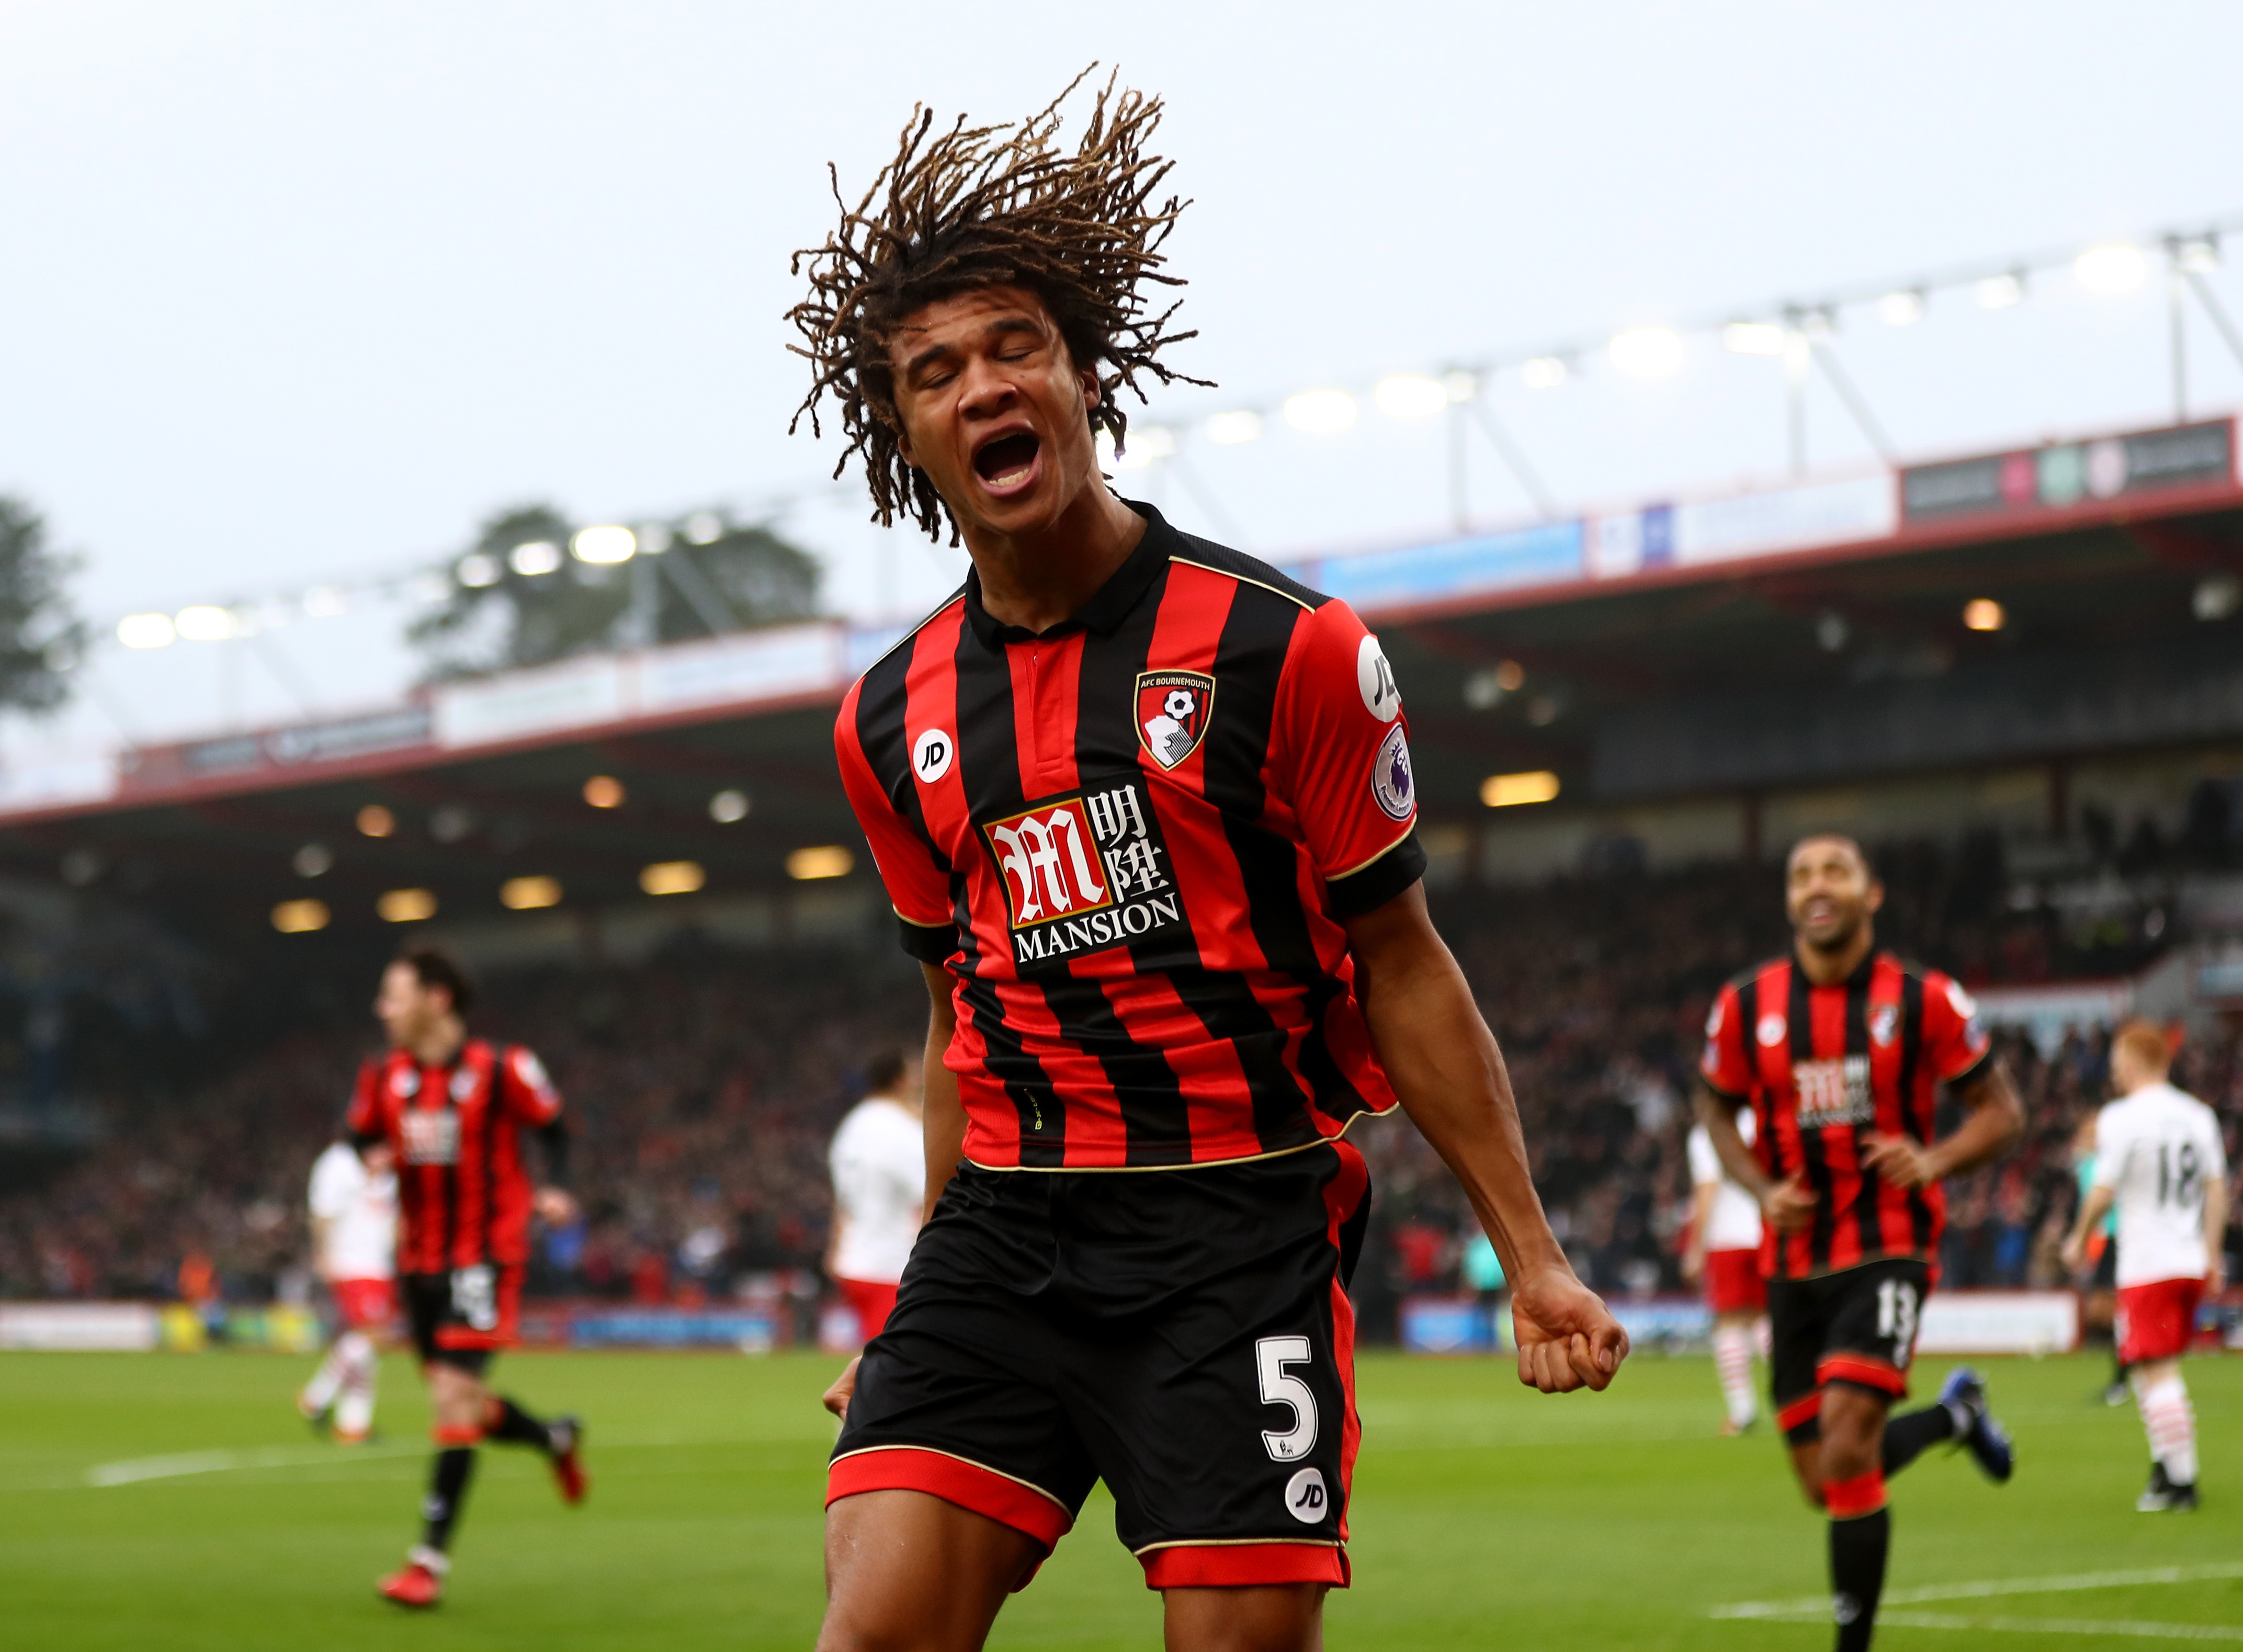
451,1110
879,1161
353,1203
1840,1050
2160,1162
1724,1251
1144,806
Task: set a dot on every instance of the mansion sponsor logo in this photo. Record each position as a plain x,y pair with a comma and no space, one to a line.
1836,1091
1082,873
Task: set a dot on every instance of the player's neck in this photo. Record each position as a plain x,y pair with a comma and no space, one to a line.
1828,969
1038,578
440,1045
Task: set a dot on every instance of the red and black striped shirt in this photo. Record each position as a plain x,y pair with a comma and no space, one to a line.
1825,1068
1131,840
463,1190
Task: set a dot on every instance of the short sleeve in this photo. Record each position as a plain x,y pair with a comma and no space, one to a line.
330,1191
1725,1066
918,887
2215,1147
527,1091
1955,1042
1705,1164
2110,1149
364,1117
1342,761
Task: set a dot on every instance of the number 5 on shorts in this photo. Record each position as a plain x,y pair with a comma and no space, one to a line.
1271,1356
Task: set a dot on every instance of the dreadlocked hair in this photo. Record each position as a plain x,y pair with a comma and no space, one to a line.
978,207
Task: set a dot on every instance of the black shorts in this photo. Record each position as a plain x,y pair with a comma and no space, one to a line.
1183,1335
1857,1326
462,1318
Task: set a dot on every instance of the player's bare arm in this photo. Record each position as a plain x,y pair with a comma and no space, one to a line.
1446,1069
2094,1208
1788,1205
1995,1120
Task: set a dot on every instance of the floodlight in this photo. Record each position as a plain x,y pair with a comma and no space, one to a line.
1229,429
1544,373
203,622
1459,386
1983,614
534,557
729,806
2217,596
146,631
406,905
1902,308
2000,292
300,917
1754,337
606,545
1320,412
477,570
2110,270
672,877
604,791
1508,791
1406,396
1147,444
314,860
705,527
374,821
527,894
2198,256
825,860
1646,352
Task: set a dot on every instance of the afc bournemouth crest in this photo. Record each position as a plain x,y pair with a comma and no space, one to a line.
1172,711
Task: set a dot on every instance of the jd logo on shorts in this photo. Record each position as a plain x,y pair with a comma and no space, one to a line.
1304,1497
1172,708
1083,871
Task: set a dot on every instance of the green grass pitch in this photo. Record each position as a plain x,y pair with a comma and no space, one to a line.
175,1502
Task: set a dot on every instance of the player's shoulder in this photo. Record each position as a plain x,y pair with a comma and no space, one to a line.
1191,551
889,667
1752,974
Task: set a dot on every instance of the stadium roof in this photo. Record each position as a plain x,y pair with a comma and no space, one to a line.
1538,649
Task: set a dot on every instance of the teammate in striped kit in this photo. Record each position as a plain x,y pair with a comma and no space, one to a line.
1840,1050
2160,1162
450,1111
1145,810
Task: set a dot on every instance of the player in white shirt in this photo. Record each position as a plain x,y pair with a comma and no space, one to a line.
1724,1250
879,1160
2159,1157
353,1202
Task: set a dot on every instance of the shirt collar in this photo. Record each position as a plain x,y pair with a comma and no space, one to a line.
1107,607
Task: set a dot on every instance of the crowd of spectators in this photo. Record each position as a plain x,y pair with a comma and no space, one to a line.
706,1084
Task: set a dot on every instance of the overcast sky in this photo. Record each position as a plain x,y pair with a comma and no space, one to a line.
301,291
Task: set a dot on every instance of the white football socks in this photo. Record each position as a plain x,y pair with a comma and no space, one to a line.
1733,1364
2171,1423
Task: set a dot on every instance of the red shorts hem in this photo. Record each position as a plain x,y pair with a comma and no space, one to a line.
1733,1283
2157,1320
982,1490
365,1304
1863,1371
1175,1566
1803,1409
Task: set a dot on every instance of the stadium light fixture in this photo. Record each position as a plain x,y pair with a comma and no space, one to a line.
823,861
406,905
1543,371
1646,352
1459,386
2217,596
605,545
2001,291
1902,308
1229,429
312,860
705,527
672,877
477,570
2198,256
374,821
1754,337
146,631
529,894
729,806
534,557
1321,412
1409,396
1147,444
604,791
300,917
203,622
2110,270
1509,791
1984,614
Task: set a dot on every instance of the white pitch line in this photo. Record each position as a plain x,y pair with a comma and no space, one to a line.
2143,1629
1987,1589
132,1471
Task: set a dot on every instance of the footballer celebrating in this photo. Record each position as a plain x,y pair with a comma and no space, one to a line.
1145,810
449,1111
1839,1052
2160,1163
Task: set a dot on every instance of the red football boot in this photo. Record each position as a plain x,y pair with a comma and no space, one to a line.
568,1460
420,1583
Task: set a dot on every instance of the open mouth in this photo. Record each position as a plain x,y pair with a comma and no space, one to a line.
1007,462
